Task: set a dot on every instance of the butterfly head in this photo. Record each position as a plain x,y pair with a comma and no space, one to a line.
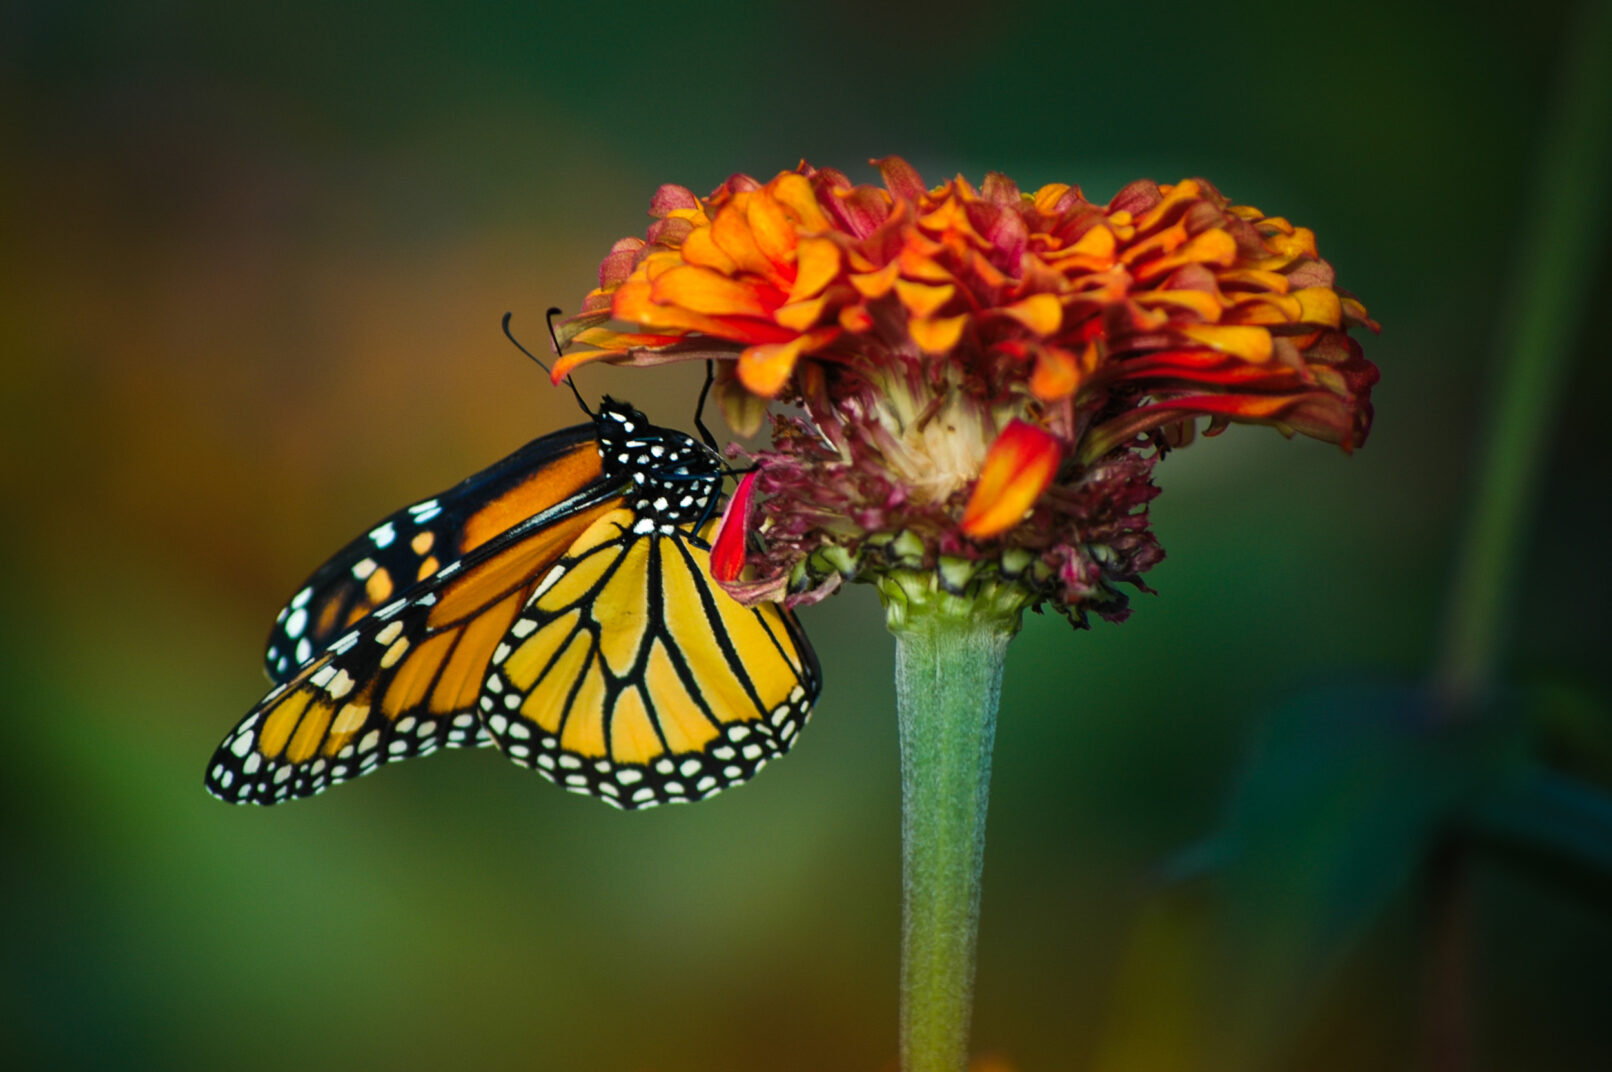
676,477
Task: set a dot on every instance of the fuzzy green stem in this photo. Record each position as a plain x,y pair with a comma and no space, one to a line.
949,655
1561,240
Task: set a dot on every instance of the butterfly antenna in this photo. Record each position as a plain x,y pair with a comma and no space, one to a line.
549,316
699,407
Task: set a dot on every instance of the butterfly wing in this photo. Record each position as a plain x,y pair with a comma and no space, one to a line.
629,675
404,680
407,548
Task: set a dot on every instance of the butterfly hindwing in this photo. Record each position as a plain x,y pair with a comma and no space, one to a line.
629,675
405,549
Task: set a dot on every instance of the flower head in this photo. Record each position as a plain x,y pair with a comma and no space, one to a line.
985,378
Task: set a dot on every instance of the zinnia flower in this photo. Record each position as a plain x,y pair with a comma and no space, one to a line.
984,378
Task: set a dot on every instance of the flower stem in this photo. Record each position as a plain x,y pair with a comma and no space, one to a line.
949,654
1560,244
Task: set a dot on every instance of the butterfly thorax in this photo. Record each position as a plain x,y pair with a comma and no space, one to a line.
675,478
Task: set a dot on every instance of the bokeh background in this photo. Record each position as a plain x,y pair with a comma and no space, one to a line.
252,264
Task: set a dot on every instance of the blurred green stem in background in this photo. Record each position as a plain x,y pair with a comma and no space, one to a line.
1561,238
949,655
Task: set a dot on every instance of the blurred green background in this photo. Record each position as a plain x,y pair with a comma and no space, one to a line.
254,259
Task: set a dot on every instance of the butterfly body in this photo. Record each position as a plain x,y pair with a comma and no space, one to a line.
557,605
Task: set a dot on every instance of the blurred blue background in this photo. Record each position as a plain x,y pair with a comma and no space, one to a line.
253,265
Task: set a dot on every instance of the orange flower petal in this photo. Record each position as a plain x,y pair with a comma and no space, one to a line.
765,369
872,285
704,291
731,232
1018,468
1266,309
1058,373
566,363
634,305
922,300
701,249
1185,190
794,192
1248,343
1041,313
1205,305
798,316
817,263
772,229
1046,199
1212,247
1252,279
856,319
1055,376
1320,305
917,260
606,339
937,337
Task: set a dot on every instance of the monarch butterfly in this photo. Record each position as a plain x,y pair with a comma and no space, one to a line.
557,605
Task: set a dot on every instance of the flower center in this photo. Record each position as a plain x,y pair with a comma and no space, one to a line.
935,446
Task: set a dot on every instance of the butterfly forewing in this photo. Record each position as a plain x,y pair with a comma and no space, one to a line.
403,551
630,676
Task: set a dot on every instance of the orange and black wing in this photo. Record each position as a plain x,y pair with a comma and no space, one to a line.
405,550
403,678
630,676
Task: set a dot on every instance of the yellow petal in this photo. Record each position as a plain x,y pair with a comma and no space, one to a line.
873,285
1265,309
1098,241
1201,302
922,300
798,316
1185,190
1248,343
1320,305
1253,278
1047,198
937,337
794,192
1211,247
1041,313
